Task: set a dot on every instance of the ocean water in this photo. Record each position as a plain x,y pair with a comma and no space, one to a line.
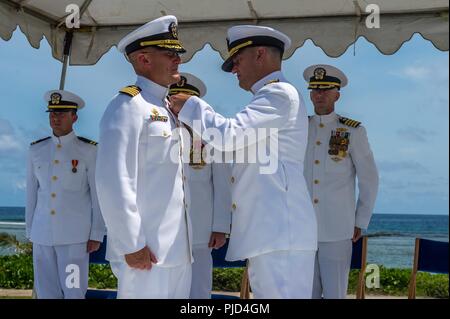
12,221
391,236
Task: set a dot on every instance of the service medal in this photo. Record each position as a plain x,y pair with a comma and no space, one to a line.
74,166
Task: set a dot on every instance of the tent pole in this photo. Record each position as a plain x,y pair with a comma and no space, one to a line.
67,46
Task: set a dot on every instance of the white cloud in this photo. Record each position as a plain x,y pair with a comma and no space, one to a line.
20,185
409,151
9,143
415,134
6,127
417,72
396,166
11,140
431,72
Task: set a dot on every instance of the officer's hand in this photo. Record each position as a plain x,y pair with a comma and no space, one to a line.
356,234
177,102
92,245
142,259
217,240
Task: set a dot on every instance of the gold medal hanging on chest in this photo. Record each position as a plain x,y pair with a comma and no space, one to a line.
197,156
74,166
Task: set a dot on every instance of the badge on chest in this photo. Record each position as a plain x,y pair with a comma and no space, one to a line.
156,117
338,145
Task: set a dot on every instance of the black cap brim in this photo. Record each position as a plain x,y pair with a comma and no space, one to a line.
177,50
227,66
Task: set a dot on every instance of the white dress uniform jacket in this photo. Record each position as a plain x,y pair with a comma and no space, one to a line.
62,206
139,181
331,183
270,212
210,201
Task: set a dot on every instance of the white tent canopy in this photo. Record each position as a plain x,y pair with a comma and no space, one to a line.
331,24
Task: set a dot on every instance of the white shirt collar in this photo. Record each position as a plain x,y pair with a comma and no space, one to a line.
325,118
64,140
277,75
152,87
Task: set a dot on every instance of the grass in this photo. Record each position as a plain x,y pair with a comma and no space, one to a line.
16,272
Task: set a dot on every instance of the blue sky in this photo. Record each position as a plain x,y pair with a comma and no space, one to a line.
401,99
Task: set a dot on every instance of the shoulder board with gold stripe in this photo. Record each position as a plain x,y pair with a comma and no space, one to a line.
41,140
131,90
86,140
349,122
273,81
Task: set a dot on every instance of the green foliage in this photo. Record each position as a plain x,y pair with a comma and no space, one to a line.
16,272
432,285
395,282
7,240
101,277
227,279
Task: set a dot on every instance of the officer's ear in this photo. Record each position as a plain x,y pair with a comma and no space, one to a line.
74,116
260,53
337,96
139,58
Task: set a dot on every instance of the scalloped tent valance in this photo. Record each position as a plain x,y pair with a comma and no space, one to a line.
333,25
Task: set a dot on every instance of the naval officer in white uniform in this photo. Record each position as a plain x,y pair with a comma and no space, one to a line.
273,221
338,152
210,198
139,172
63,219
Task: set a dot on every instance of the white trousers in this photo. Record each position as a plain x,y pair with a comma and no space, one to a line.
202,268
157,283
286,274
60,272
332,269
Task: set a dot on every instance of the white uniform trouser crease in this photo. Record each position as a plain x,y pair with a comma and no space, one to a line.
332,269
202,268
60,271
157,283
282,274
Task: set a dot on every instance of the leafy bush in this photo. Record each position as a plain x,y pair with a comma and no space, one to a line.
432,285
101,277
16,272
227,279
7,240
395,282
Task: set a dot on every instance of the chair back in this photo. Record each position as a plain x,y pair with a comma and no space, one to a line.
219,258
99,256
359,251
433,256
